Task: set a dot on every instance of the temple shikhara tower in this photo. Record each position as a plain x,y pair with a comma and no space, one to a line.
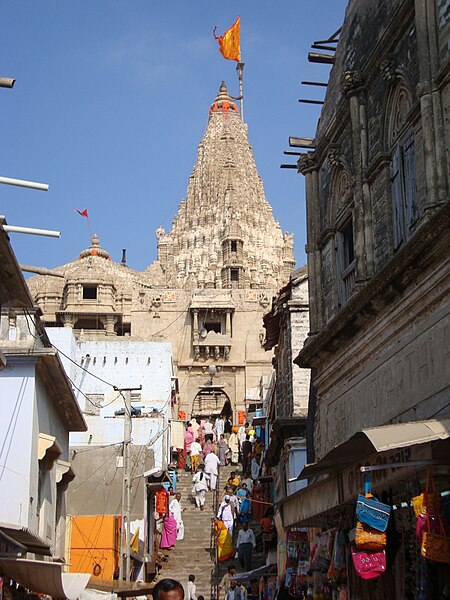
224,235
217,270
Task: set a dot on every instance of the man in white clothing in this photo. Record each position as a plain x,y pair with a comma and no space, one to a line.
241,434
176,510
208,430
226,513
196,450
212,463
191,588
245,544
219,427
200,481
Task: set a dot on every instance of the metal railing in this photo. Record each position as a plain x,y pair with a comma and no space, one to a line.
348,282
214,591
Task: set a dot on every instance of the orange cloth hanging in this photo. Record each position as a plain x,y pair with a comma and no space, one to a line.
162,502
230,41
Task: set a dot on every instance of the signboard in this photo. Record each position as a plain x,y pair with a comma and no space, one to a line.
353,479
177,434
251,296
169,296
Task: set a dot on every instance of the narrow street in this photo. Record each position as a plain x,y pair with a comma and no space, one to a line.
193,554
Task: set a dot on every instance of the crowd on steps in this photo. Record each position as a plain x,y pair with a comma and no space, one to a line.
214,517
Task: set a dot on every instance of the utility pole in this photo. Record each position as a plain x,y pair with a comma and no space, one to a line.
125,554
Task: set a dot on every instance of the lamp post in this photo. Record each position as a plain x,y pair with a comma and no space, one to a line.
212,370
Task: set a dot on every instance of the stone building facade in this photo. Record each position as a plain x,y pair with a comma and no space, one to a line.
286,403
216,272
378,246
378,214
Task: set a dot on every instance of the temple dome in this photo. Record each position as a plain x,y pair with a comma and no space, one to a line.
95,249
223,101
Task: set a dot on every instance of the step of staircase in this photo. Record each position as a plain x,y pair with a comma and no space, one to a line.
192,555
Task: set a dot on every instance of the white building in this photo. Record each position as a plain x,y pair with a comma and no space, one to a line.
97,366
38,410
100,371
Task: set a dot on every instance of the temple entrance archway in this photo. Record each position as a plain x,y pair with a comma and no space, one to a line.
211,401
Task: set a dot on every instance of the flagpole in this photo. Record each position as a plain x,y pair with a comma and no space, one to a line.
89,227
240,71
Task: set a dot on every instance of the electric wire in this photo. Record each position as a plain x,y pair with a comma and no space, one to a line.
39,337
83,368
440,410
182,314
89,497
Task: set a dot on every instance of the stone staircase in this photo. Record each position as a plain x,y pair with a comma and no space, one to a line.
258,558
192,555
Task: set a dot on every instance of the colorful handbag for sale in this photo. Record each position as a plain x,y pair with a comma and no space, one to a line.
369,565
370,511
421,525
367,538
435,546
428,498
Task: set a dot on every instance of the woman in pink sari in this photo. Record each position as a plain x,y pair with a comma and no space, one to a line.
169,532
207,448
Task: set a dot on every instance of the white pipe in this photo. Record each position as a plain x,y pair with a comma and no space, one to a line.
7,82
23,183
31,231
39,271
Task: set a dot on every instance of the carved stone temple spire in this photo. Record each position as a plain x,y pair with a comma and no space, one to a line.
224,234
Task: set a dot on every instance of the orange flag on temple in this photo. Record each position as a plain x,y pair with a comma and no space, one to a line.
230,41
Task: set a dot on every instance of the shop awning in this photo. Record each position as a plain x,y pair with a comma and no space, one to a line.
249,575
378,439
310,502
26,538
44,577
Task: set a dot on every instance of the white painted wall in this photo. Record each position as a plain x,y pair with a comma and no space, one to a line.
27,410
123,363
17,442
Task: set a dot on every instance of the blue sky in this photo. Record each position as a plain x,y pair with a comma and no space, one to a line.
112,99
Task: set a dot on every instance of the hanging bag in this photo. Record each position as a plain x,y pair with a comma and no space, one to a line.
369,565
370,511
368,538
435,546
428,498
422,525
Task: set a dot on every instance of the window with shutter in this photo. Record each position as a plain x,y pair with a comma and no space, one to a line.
345,261
409,170
404,193
397,199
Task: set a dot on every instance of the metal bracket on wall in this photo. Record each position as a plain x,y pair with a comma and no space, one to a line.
412,463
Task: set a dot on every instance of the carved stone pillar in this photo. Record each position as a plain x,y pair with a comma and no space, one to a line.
109,323
195,326
352,86
307,166
436,161
228,323
69,321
